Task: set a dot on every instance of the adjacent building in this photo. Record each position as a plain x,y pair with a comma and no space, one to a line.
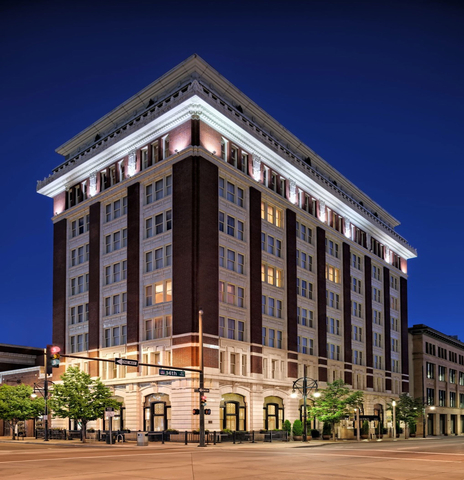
438,377
189,196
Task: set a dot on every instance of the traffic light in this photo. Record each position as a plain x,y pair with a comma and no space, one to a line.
203,401
53,358
196,411
207,411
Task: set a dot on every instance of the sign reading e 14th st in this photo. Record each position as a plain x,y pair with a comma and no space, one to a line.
172,373
126,361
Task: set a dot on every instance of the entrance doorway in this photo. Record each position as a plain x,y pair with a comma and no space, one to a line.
430,423
273,414
232,412
443,430
157,413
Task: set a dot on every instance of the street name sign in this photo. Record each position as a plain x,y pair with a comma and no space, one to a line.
202,390
126,361
172,373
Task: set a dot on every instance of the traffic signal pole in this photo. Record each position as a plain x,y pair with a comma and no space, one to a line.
202,380
46,405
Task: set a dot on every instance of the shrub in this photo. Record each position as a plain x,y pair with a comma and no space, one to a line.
315,433
287,426
327,429
227,431
297,428
365,428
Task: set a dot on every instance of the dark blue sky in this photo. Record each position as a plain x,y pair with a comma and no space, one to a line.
374,87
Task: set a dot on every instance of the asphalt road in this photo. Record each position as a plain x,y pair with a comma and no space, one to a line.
416,459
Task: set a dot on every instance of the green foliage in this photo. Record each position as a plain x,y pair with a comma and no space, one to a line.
287,426
297,428
336,402
407,409
365,428
327,428
16,404
80,398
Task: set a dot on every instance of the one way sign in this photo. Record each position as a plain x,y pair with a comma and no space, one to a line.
126,361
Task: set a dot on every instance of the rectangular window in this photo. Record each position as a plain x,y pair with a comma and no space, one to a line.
356,261
441,398
271,214
430,396
441,373
332,248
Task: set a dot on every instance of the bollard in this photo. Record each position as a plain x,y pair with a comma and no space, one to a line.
186,442
214,438
233,436
270,436
253,437
162,438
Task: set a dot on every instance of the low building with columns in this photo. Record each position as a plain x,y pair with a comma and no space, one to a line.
437,376
189,196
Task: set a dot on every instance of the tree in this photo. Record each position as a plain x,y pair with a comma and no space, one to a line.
16,404
80,398
335,403
407,410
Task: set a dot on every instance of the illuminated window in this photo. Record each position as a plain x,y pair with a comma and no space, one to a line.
332,274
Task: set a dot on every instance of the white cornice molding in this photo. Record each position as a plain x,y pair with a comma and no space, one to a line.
305,177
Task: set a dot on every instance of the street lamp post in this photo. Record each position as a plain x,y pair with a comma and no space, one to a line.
358,433
202,380
44,392
304,385
394,420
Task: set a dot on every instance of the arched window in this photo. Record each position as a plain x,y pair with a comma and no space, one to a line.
157,413
232,412
273,413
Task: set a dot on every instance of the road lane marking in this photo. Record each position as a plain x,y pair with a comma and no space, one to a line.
327,454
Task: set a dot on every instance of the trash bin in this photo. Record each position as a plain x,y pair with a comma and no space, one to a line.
142,439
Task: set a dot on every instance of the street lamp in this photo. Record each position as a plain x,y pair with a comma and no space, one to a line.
44,392
303,385
424,418
356,412
394,420
202,380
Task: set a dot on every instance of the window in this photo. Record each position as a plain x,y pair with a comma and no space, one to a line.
80,255
233,227
376,295
377,339
79,343
159,189
430,396
356,261
234,261
272,337
115,336
357,357
394,345
233,329
356,309
158,293
461,378
115,304
333,300
305,345
430,348
452,376
79,314
158,224
378,362
377,317
231,294
461,400
333,326
376,273
166,144
80,284
231,192
393,282
357,333
395,366
333,351
304,288
430,370
158,258
356,285
80,226
271,275
332,274
441,398
305,317
304,260
115,209
224,149
159,327
271,306
394,324
441,373
116,272
332,248
393,303
271,245
442,353
304,233
271,214
116,241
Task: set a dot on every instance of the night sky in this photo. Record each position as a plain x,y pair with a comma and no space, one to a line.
376,88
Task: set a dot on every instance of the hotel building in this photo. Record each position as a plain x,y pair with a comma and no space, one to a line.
189,196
